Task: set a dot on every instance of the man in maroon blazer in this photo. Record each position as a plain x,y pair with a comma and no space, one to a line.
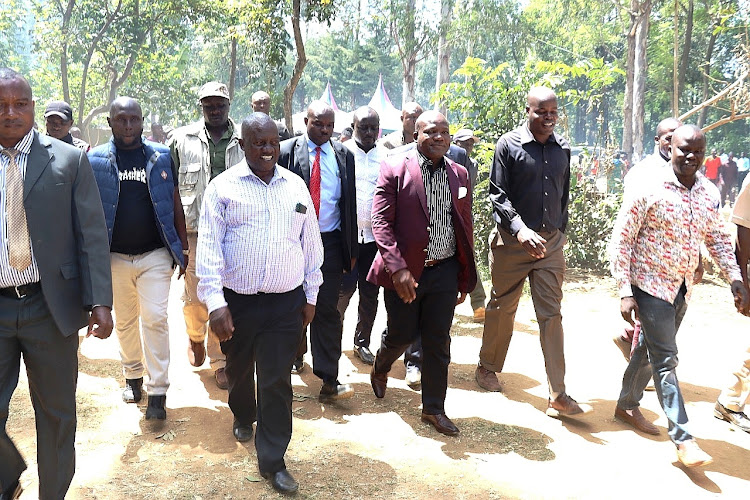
421,220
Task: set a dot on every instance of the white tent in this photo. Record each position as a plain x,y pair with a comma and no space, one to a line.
343,118
390,117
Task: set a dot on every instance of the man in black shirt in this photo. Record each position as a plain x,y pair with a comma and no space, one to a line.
138,186
529,189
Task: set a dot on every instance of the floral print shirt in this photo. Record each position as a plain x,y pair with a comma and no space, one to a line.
656,241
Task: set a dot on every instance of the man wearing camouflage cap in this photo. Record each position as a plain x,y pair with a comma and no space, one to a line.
201,151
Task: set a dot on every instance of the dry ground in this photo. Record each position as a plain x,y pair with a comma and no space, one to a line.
368,448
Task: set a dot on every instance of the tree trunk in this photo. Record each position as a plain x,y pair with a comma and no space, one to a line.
706,67
410,72
299,65
444,51
87,61
66,15
627,106
639,76
685,56
232,66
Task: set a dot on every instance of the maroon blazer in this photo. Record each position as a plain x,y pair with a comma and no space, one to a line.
400,220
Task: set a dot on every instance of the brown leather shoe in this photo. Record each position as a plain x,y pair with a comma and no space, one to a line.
487,379
441,423
379,381
221,378
196,353
479,315
563,405
636,420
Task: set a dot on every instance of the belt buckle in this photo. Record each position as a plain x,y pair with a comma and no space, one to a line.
18,293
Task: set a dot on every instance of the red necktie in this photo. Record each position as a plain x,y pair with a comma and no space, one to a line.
315,182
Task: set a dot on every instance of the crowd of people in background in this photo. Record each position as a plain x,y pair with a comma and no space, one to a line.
272,233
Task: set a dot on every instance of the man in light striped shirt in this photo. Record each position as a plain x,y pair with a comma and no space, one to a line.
259,258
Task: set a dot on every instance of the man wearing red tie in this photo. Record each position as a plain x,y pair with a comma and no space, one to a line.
421,221
328,170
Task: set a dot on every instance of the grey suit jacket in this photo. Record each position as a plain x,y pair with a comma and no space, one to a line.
67,230
295,157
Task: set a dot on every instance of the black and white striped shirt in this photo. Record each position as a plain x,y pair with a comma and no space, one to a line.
8,275
442,242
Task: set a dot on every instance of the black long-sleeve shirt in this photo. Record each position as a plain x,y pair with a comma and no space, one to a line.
530,182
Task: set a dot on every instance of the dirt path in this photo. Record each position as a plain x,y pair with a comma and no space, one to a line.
368,448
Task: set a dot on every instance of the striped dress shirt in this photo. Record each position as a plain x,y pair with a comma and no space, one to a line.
8,275
255,237
442,242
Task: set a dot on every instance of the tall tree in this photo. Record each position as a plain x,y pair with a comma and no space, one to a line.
444,50
413,37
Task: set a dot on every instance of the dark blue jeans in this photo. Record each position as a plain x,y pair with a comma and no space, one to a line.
657,345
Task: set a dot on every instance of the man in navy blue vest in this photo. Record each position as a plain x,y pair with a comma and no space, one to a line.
146,225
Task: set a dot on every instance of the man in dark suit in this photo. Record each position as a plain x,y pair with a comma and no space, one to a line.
328,170
421,220
54,279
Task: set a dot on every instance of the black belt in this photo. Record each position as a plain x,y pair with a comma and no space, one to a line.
435,262
19,292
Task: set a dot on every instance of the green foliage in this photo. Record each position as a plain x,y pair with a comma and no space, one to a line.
591,216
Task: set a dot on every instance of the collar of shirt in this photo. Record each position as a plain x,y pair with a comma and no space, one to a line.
325,148
426,162
377,151
244,170
668,175
24,145
228,133
527,136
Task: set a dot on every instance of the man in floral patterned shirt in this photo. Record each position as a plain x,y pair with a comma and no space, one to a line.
655,252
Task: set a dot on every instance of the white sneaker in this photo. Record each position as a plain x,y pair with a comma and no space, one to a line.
413,377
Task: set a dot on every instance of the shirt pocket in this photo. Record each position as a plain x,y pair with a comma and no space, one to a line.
189,176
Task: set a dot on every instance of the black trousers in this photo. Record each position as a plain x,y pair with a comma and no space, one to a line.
326,327
266,335
429,317
27,327
367,308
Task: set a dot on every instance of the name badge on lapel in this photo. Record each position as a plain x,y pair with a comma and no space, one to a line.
462,192
300,208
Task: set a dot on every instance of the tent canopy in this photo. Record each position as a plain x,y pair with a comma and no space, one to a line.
390,117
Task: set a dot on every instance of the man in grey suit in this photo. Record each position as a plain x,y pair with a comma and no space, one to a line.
54,279
327,168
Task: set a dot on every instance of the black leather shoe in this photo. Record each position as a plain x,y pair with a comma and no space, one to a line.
441,423
282,481
156,408
298,366
335,392
242,433
379,381
13,492
133,391
364,354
